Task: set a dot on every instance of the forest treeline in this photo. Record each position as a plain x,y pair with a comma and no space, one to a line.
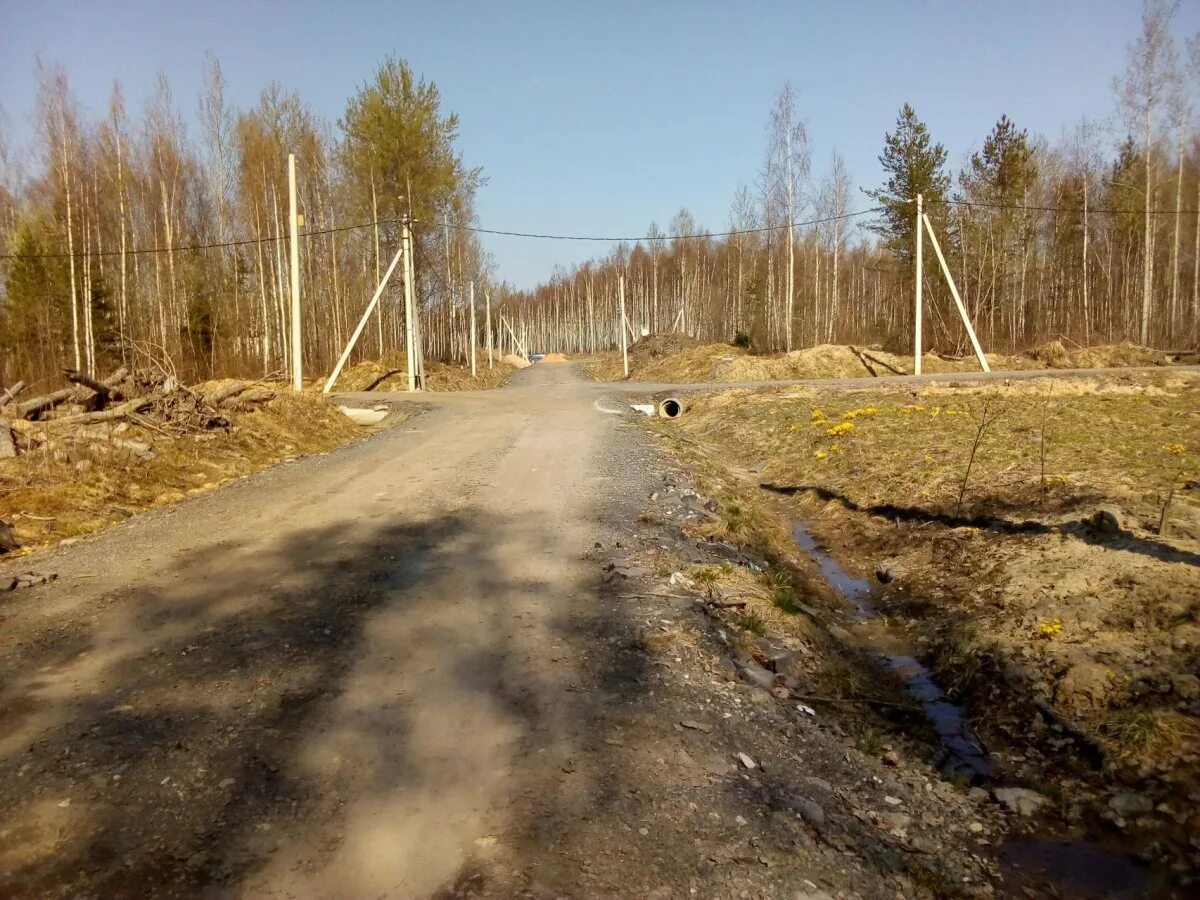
1093,238
100,221
162,240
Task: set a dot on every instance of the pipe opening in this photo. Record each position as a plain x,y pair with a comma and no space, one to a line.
670,408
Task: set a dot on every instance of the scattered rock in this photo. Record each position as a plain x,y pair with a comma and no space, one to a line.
746,761
1106,521
812,812
8,540
1186,686
757,675
975,827
1130,803
895,821
621,568
1019,800
63,804
893,801
697,726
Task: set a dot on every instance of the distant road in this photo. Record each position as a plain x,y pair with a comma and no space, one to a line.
600,389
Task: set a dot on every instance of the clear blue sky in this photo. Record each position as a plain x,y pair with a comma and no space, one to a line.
598,118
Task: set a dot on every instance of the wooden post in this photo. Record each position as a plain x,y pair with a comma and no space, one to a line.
621,326
487,324
962,310
410,348
362,323
473,341
294,225
920,277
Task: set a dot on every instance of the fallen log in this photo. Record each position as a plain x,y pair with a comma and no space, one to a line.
116,412
105,389
218,396
36,405
248,398
8,445
12,392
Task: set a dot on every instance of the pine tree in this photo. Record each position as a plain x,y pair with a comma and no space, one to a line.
915,165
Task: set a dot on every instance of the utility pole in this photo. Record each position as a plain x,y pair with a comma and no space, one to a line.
294,224
409,334
621,326
917,312
473,341
487,324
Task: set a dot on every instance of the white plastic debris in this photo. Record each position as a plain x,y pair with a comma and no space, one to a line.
646,408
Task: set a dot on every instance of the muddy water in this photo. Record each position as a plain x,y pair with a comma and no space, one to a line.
965,755
1029,868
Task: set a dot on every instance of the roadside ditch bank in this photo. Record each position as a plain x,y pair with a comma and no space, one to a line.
1078,821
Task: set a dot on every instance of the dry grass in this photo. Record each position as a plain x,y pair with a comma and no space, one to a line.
1050,450
390,374
680,360
49,496
1148,736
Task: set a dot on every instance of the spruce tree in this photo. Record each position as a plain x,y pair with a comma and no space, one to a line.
914,165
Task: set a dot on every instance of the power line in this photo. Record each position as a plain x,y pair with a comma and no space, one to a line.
553,237
1075,209
138,251
664,237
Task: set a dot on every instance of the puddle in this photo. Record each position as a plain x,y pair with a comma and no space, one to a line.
1052,869
1028,869
965,755
853,589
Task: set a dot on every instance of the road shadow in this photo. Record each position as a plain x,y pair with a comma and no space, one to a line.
193,757
1082,529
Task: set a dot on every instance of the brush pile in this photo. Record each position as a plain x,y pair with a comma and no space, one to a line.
94,414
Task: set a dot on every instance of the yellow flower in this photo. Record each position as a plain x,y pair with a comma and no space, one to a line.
821,454
840,429
935,410
1174,449
1050,629
818,415
909,410
855,413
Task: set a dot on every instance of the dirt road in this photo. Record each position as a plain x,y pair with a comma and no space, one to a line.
332,679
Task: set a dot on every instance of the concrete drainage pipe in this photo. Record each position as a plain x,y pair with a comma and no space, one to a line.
670,408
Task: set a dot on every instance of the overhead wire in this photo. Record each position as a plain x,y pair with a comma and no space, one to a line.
592,238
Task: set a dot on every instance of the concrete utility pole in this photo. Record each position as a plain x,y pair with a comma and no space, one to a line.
294,225
473,341
917,312
409,332
624,335
487,324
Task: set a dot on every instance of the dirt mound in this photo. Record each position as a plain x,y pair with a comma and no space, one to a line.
391,374
1123,354
656,345
514,361
555,358
1053,354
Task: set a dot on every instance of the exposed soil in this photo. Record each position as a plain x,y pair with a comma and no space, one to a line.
1048,603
